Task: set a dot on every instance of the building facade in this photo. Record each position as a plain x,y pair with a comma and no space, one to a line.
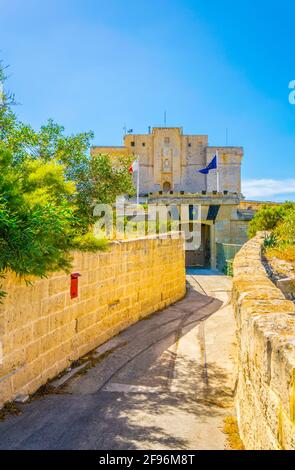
170,161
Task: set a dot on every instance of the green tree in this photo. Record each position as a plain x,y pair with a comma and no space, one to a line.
34,233
97,179
49,185
105,179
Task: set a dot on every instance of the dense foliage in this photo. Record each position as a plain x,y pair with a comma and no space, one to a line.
34,230
285,231
48,187
270,217
280,222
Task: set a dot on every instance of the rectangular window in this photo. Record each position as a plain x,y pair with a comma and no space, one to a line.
132,143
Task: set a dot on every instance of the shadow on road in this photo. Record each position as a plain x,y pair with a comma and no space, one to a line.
86,416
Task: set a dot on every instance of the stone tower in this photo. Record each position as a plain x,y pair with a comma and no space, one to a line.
170,161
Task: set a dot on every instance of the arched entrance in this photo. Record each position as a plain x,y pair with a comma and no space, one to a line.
201,256
166,187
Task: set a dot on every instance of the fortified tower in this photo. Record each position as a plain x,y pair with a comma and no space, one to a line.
169,162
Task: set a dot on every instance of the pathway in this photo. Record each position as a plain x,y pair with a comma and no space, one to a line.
165,383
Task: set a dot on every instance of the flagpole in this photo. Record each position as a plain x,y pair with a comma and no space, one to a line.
137,189
217,172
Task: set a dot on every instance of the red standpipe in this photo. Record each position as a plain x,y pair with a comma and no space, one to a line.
74,285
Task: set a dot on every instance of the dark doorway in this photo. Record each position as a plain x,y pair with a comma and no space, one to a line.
201,256
166,187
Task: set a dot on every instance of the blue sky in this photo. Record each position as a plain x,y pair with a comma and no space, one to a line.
96,65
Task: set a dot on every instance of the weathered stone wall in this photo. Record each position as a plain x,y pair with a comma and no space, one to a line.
265,396
229,161
166,155
42,330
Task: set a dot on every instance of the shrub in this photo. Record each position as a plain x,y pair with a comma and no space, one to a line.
228,268
88,242
281,221
270,241
269,217
285,231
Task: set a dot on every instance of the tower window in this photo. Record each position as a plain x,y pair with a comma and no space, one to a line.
143,144
132,143
189,144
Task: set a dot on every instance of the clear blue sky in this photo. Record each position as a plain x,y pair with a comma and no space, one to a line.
211,64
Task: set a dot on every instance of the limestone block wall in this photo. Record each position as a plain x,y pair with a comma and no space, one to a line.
42,330
265,397
229,161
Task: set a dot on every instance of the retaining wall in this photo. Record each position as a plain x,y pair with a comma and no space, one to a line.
265,397
42,330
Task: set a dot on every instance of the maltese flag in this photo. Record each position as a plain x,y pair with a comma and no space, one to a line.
134,167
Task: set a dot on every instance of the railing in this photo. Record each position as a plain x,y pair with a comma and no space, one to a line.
225,253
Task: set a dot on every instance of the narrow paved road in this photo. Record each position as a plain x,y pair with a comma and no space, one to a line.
165,383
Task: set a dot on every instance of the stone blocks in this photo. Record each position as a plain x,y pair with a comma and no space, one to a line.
265,398
42,330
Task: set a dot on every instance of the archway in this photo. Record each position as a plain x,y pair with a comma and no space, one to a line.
166,187
200,256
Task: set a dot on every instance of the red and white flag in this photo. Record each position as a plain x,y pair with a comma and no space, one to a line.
134,167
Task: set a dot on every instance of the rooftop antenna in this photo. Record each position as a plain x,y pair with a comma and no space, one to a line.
165,118
125,129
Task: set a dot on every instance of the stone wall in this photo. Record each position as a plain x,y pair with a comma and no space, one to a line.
265,396
229,162
42,330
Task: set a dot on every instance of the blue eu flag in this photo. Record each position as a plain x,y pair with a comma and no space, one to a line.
212,166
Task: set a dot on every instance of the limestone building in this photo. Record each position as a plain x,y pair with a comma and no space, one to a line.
169,163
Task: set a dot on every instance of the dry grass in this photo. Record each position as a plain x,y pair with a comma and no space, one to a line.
45,390
231,429
287,253
9,408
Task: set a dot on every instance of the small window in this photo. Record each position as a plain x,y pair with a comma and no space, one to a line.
166,140
132,143
143,144
189,144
